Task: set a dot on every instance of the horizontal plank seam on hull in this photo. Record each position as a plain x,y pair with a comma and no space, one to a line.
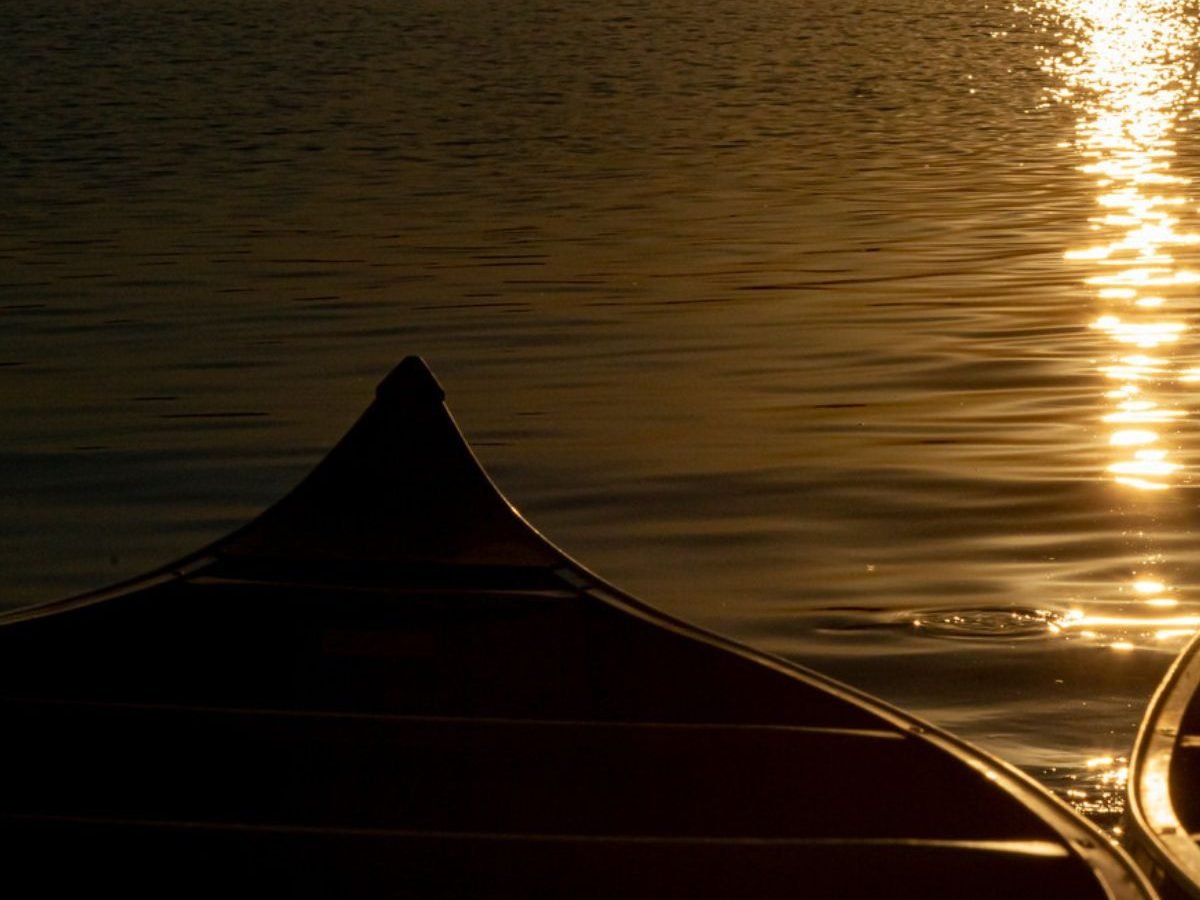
472,721
1018,847
342,587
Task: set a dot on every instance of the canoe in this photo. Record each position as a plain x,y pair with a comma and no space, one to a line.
390,685
1162,810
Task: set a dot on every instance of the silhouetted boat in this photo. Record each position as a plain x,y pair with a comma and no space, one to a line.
1162,815
390,685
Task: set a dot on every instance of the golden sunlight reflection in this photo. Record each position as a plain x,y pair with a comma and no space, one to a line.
1125,69
1098,789
1126,631
1113,771
1125,72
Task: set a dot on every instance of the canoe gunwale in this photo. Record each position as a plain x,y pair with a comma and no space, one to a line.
1154,830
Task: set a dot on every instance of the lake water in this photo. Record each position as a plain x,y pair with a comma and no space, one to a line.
860,331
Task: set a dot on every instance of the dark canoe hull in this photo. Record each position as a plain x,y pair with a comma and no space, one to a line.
1162,820
390,685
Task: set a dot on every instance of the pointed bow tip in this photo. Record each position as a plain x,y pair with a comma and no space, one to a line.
410,381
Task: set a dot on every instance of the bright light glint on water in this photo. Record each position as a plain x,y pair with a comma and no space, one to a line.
1124,67
1127,77
1132,437
1128,80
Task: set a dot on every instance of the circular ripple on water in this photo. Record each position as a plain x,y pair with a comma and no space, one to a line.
984,623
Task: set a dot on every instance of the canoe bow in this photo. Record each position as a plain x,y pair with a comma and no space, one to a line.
389,684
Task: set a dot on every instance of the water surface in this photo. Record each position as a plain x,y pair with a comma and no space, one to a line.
858,331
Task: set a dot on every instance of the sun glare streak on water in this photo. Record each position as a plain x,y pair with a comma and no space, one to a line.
1127,77
1126,71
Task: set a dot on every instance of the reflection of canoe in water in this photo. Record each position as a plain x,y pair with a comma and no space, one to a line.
1162,817
389,684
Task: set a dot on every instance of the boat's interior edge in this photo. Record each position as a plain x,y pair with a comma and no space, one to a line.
1162,814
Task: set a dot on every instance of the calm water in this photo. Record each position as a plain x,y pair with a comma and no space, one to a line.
860,331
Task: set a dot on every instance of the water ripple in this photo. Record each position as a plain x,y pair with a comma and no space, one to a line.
985,623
